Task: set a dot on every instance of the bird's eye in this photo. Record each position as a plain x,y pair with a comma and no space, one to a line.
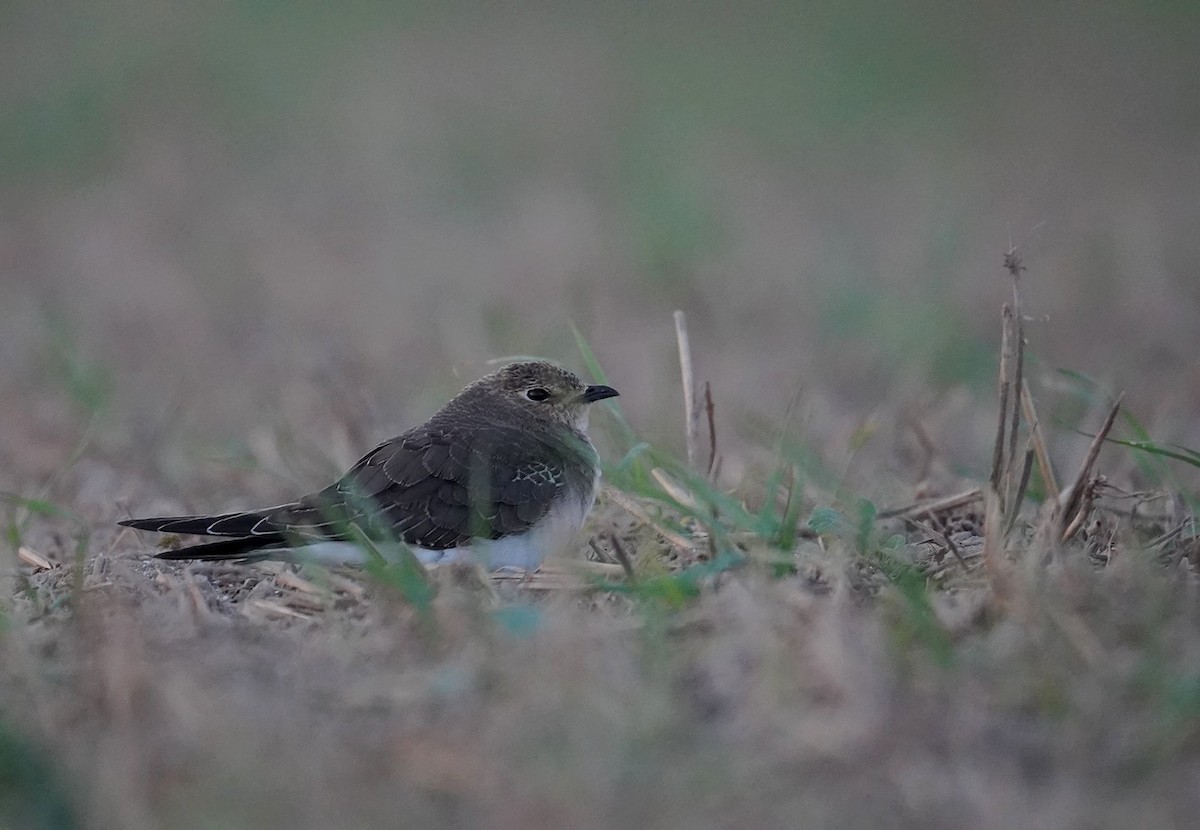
537,393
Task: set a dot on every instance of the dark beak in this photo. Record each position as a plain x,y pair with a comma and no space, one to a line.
599,393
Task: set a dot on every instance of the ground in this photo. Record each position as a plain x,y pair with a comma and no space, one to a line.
241,245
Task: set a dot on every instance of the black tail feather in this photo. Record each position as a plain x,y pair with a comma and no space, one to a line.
248,523
249,549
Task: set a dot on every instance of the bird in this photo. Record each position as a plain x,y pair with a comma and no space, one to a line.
501,476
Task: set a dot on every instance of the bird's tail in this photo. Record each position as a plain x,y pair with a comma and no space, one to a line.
255,532
245,523
248,549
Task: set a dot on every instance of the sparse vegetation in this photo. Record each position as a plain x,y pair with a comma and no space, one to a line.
725,656
888,569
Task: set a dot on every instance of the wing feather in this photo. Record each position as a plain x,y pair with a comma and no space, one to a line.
433,488
441,488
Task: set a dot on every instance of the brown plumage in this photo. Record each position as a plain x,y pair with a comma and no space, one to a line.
507,458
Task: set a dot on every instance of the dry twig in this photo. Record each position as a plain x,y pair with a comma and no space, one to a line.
277,609
1013,263
680,542
999,462
291,579
1014,509
935,506
31,557
674,489
691,412
935,533
622,556
998,569
1074,496
1045,467
709,410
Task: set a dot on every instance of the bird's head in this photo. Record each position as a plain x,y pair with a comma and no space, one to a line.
543,391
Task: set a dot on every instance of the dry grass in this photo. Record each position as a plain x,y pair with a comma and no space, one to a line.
981,666
241,243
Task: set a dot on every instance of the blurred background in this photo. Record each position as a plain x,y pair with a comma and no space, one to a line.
241,241
207,207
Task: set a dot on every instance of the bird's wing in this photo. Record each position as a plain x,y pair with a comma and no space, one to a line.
435,489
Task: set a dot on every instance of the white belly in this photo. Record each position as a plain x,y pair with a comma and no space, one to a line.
524,551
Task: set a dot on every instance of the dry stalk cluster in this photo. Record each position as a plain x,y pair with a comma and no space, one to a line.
1019,444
